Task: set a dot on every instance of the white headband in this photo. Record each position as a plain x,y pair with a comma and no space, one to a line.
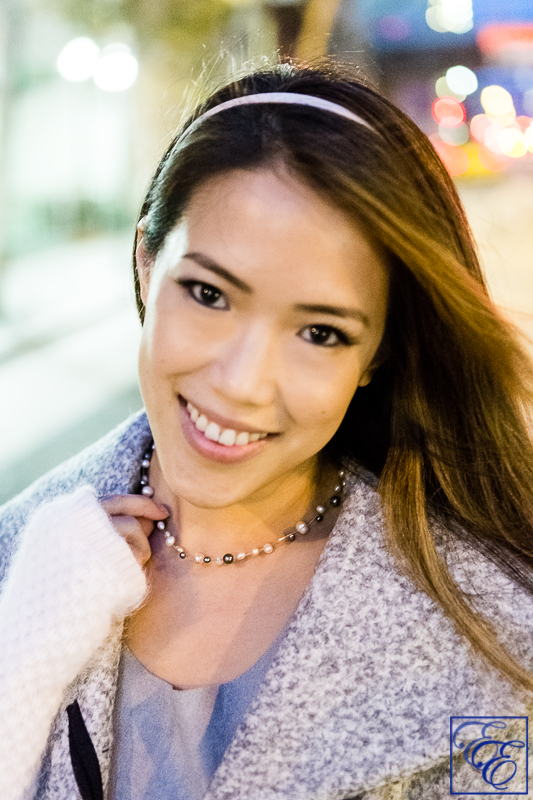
290,98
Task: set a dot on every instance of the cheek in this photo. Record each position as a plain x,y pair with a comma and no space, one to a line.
170,344
320,402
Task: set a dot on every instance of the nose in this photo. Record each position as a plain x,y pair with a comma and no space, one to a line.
245,369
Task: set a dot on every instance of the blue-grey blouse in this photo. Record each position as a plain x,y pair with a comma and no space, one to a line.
168,743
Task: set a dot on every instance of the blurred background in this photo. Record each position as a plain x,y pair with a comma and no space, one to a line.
91,92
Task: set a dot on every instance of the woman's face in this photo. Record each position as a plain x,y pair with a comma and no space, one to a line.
264,311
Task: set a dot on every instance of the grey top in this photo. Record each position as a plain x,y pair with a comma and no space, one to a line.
168,743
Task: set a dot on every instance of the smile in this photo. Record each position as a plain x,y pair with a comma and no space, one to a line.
225,436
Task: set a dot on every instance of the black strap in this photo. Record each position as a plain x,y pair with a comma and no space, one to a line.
83,756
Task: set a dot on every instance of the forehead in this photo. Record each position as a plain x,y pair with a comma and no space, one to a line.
267,226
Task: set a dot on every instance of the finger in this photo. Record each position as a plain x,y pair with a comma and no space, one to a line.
135,532
134,505
133,525
140,547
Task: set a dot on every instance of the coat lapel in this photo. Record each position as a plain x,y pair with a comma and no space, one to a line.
95,691
359,695
361,690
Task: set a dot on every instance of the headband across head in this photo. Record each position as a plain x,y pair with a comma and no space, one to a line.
288,98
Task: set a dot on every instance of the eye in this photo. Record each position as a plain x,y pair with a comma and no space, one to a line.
324,336
205,294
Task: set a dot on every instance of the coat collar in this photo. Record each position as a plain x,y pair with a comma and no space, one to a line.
361,689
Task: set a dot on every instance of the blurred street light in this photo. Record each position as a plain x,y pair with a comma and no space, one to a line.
113,70
461,80
116,70
450,16
77,60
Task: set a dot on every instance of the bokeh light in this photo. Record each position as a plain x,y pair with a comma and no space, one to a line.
478,127
461,80
512,143
491,140
77,60
450,16
454,158
523,122
497,101
116,70
443,90
457,135
494,162
528,138
448,112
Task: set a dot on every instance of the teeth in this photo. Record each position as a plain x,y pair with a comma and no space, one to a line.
212,431
227,437
215,433
202,422
194,413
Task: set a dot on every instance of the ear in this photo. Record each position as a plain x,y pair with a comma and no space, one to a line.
380,357
367,375
143,260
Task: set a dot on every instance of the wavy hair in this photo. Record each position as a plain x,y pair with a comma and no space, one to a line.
444,422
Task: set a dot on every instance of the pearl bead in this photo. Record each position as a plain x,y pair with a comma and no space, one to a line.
207,560
182,555
301,527
341,473
338,488
147,491
199,557
228,558
144,481
241,556
321,509
161,526
268,548
335,500
291,537
170,541
319,518
147,456
219,560
145,463
255,551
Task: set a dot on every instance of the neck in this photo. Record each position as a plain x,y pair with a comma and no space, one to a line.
245,525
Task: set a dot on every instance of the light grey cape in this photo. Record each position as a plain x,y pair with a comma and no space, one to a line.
358,700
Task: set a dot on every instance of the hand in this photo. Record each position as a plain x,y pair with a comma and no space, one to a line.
133,516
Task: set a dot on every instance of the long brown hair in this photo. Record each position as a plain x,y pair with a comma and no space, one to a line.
444,421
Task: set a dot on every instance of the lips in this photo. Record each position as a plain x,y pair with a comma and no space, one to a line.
228,437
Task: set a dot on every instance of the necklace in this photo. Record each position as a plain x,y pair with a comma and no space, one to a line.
301,527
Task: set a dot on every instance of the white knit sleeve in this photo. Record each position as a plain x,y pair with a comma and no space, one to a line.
71,574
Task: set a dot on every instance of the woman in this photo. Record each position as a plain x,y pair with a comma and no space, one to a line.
334,516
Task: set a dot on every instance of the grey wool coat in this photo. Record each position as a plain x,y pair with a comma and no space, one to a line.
358,700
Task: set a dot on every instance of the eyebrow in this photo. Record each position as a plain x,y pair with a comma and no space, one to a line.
335,311
313,308
208,263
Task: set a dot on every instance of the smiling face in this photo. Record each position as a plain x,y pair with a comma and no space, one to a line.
264,311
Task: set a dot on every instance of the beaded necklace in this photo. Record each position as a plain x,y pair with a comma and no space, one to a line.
300,529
